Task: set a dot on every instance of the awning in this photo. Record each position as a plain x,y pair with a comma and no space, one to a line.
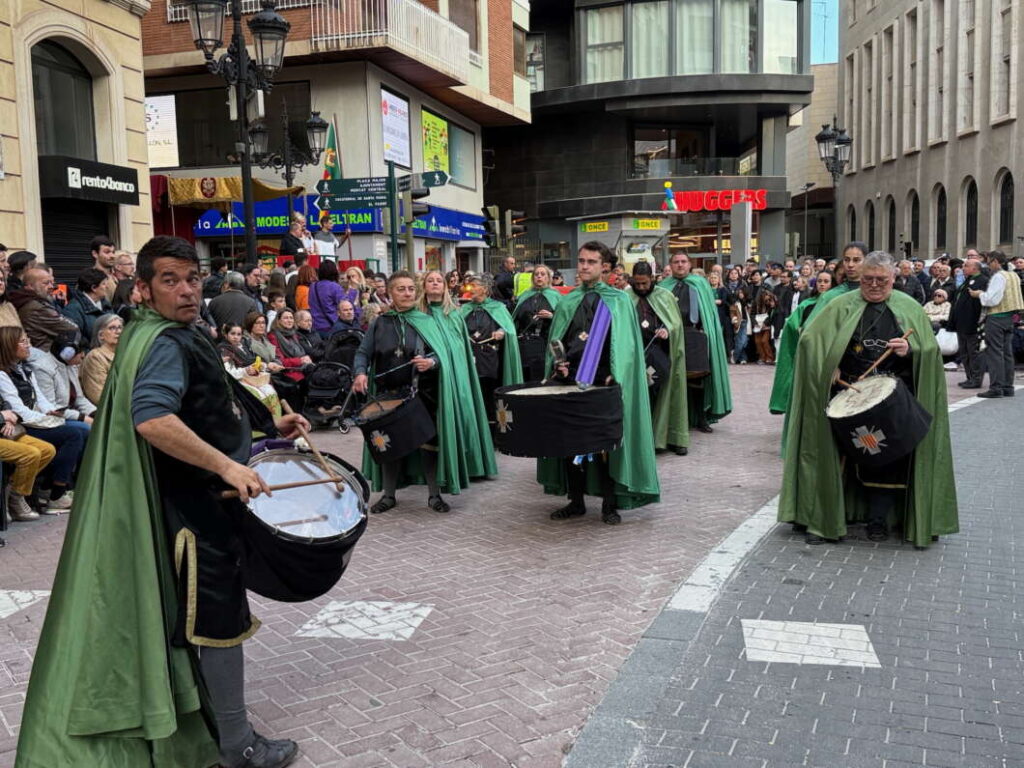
220,191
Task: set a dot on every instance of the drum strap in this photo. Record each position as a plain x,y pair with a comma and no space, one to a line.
415,372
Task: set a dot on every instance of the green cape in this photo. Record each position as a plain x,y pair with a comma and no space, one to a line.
717,402
671,424
474,430
107,688
511,365
550,294
813,490
452,469
632,464
785,355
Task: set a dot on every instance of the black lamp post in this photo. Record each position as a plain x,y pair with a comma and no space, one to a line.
246,75
288,158
834,145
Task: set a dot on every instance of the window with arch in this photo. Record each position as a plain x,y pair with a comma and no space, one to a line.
851,215
1006,210
62,92
869,214
971,213
915,220
890,240
940,218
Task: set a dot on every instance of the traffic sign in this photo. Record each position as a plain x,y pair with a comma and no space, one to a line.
427,179
346,194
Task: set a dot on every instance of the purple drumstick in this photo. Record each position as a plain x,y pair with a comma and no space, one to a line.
595,344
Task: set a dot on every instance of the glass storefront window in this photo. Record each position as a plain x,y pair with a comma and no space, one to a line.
63,103
649,51
739,35
604,42
663,152
695,37
781,40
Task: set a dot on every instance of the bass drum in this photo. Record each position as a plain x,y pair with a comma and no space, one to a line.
298,542
698,360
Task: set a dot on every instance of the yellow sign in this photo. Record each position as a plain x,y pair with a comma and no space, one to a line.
593,226
435,142
647,224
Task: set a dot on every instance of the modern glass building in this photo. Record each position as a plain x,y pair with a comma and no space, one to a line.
630,95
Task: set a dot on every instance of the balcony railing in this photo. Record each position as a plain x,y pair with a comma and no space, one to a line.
406,27
178,11
667,168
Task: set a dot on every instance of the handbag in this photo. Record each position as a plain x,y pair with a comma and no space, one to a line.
948,344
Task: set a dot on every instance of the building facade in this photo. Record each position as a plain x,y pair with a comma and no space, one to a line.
72,129
402,80
629,96
929,91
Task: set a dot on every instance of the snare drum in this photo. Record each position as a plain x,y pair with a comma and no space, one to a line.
557,421
298,542
698,360
878,423
395,426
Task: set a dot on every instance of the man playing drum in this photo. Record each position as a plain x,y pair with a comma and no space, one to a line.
823,492
151,572
625,477
532,317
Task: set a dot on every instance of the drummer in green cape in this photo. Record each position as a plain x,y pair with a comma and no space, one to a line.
492,334
661,332
532,315
404,348
626,477
709,398
782,386
473,434
821,492
149,575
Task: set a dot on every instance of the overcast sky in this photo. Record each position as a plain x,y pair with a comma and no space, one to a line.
824,31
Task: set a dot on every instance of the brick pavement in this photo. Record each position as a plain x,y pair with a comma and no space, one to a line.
529,621
858,655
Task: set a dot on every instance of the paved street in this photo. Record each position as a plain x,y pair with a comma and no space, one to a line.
490,636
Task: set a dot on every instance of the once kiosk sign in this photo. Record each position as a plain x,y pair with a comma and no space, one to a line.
72,177
718,199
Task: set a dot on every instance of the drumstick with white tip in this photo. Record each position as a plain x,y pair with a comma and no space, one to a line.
319,456
287,486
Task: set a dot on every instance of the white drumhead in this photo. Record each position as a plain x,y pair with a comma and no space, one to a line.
311,512
554,389
870,392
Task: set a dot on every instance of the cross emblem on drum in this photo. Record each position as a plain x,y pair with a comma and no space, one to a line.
503,416
380,441
870,441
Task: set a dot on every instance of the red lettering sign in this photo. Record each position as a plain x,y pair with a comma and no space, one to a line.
719,199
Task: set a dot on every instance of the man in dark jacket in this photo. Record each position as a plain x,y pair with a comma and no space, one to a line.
40,319
907,282
233,304
941,279
213,284
504,281
88,302
964,319
255,278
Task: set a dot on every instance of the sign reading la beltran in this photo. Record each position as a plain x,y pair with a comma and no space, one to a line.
718,199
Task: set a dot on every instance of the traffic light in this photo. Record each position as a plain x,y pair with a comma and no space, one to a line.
413,209
513,224
492,226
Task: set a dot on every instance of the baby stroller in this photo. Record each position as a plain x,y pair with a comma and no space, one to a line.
330,382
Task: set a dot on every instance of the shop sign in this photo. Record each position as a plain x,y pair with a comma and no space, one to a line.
435,142
446,224
588,227
647,224
719,199
272,219
72,177
394,116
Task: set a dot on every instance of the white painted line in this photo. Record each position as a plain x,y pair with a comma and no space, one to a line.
14,600
803,642
366,620
975,400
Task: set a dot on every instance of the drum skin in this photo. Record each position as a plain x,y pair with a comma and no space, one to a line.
698,361
885,432
394,426
292,570
561,424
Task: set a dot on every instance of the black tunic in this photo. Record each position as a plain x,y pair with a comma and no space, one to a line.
575,339
533,335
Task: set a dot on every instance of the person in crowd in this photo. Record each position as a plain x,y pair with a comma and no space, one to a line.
305,277
284,336
774,276
532,316
234,304
56,374
908,282
965,319
380,291
292,244
275,303
710,396
924,276
324,296
40,319
504,281
213,284
346,318
942,278
454,282
356,290
739,316
755,284
276,283
370,313
822,493
661,333
625,477
242,364
312,342
21,391
8,312
126,300
938,309
30,456
1002,300
325,241
5,268
259,342
722,303
104,254
557,280
18,263
123,269
255,278
763,327
88,301
97,363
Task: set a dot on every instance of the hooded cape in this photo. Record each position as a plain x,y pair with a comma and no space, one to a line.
474,433
671,423
632,464
452,469
511,364
107,688
813,489
717,402
550,294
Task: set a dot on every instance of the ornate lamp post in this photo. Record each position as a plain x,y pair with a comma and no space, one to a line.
246,75
834,145
288,158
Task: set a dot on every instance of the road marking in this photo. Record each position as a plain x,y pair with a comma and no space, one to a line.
14,600
366,620
805,642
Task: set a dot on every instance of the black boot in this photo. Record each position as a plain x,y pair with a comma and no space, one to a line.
265,753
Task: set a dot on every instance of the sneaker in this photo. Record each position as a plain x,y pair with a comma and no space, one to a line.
950,366
19,509
55,507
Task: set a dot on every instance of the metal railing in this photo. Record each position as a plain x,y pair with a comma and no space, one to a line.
665,168
405,26
178,11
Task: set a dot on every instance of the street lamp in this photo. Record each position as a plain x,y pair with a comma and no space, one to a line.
289,158
246,75
834,145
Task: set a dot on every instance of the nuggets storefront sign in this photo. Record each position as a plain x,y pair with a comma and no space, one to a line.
718,199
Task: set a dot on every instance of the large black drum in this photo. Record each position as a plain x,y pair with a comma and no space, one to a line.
394,426
698,362
556,421
298,542
878,423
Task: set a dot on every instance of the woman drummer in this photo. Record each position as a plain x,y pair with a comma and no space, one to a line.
404,349
532,314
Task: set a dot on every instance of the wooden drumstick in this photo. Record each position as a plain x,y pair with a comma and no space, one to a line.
319,456
286,486
885,355
846,384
